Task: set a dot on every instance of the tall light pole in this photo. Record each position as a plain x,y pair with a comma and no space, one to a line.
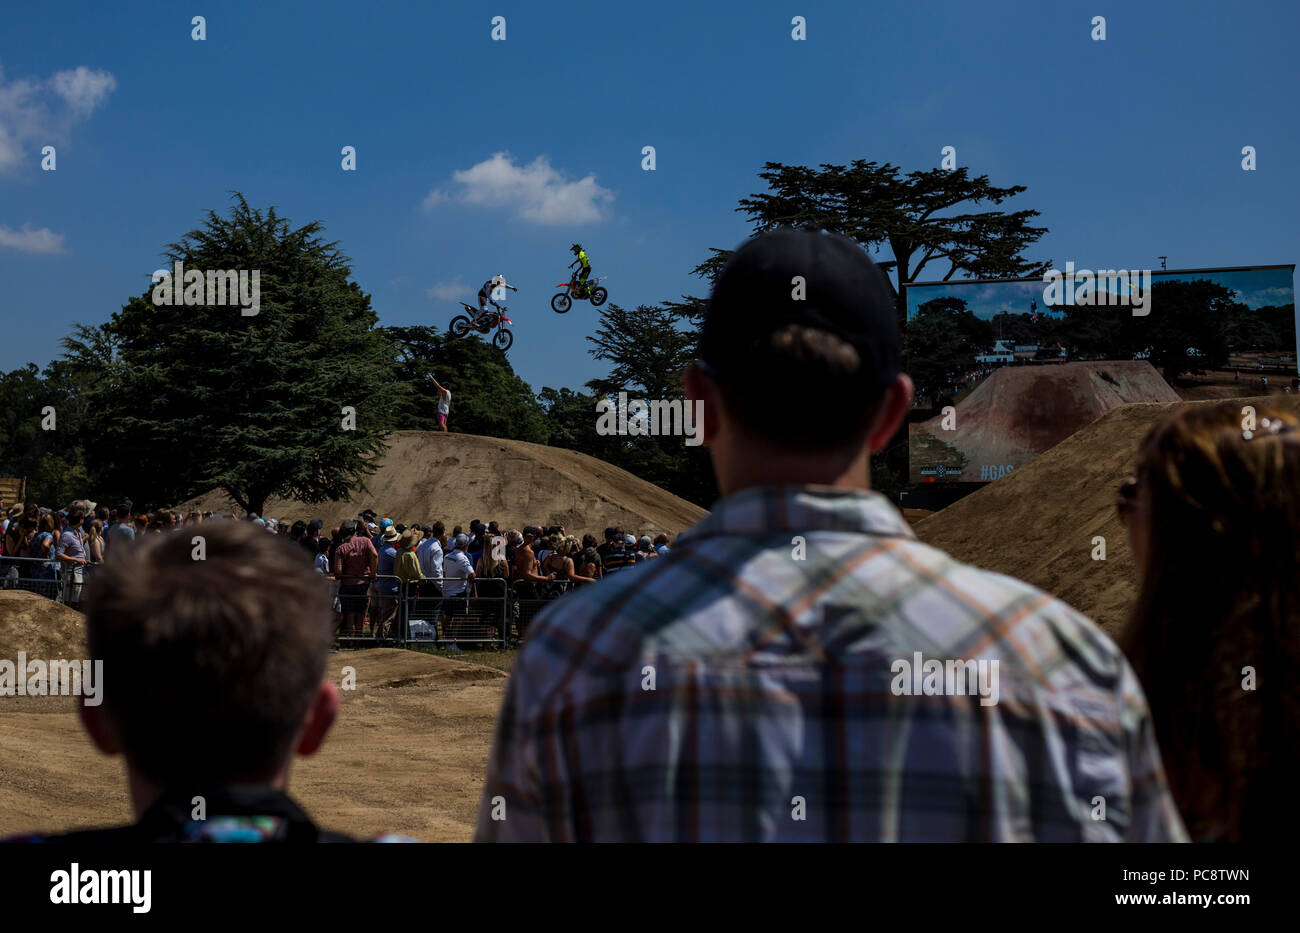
1162,260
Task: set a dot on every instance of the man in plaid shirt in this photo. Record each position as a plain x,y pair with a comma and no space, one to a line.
800,667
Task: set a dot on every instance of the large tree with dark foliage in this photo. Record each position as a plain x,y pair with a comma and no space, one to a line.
42,416
647,348
293,402
911,221
944,339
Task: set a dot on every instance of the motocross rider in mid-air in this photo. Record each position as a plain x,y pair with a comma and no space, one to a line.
584,269
485,296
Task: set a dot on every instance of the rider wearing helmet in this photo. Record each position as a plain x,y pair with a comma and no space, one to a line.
584,266
485,294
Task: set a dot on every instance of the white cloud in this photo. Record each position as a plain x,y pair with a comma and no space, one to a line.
40,113
450,291
536,191
27,240
83,89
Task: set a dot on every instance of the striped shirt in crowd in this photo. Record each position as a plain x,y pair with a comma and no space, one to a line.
771,679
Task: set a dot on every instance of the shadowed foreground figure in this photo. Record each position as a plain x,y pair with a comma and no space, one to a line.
214,679
1214,518
769,677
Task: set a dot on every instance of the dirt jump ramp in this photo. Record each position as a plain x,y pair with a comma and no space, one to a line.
1039,523
1019,412
432,475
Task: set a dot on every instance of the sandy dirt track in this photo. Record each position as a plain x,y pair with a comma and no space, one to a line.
1038,523
407,755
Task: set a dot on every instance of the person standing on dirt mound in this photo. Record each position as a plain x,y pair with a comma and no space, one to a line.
219,681
793,634
444,402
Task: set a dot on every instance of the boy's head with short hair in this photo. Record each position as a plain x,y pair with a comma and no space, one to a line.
214,668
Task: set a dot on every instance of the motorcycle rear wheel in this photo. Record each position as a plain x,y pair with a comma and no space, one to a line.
460,325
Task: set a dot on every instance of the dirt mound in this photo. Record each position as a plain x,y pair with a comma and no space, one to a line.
40,627
1020,411
1038,523
407,755
430,475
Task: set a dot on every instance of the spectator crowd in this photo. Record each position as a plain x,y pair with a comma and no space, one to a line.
370,557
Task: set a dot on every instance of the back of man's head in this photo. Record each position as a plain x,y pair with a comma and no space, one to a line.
801,337
210,665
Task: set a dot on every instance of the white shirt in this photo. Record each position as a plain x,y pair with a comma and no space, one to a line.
429,553
444,402
455,567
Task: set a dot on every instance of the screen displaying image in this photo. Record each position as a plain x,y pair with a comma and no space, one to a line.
1011,368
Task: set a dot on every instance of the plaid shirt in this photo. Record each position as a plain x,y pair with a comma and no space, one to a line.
748,687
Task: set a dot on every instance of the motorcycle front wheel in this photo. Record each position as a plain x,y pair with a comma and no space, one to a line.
503,339
561,303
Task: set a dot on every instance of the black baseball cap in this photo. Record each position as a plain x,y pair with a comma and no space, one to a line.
843,292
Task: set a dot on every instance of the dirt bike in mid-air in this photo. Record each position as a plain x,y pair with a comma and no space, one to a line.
596,294
484,322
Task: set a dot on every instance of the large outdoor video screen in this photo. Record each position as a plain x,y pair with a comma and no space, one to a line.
1011,368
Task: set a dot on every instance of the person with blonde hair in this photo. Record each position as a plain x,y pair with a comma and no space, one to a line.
95,542
1213,515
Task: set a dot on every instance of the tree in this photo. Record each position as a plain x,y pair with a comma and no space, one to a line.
915,218
943,340
1187,329
647,349
294,401
39,435
571,422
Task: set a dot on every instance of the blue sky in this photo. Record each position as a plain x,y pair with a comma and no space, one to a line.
1130,148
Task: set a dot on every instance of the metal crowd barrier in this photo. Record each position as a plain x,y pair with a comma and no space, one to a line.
50,578
480,614
531,598
390,611
372,617
421,613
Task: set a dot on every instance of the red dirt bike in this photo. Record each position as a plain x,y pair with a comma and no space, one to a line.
572,289
483,322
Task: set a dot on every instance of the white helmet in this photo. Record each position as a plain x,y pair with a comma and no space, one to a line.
499,280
